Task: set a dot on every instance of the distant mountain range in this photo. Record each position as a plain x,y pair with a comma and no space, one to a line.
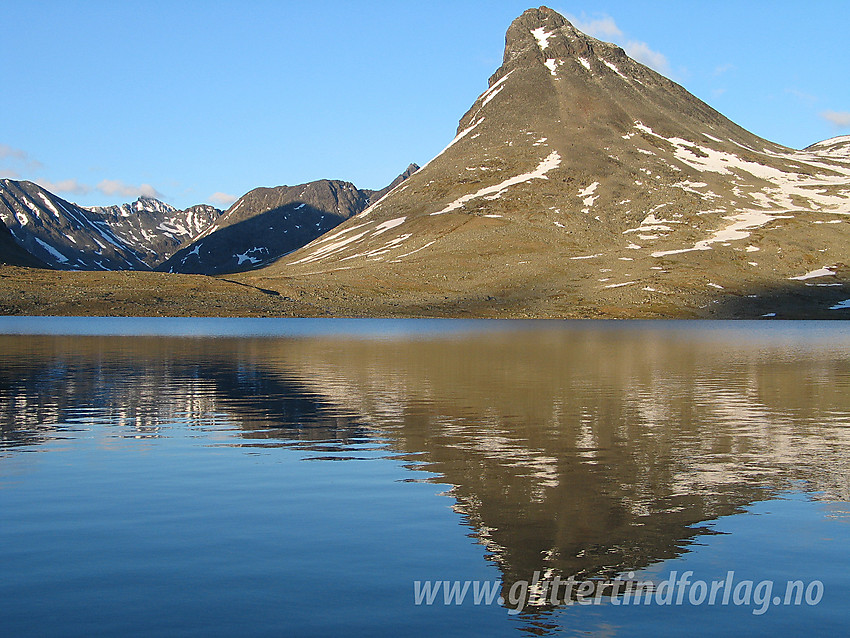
267,223
42,230
66,236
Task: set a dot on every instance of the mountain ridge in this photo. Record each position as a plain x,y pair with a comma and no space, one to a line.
42,230
582,177
269,222
66,236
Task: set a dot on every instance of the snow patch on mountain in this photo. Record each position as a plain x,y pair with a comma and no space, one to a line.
456,139
542,36
53,252
820,272
551,162
743,223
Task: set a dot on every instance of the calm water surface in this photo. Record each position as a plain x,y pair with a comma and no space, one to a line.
297,477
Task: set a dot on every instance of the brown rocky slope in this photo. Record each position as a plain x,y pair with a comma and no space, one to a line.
582,183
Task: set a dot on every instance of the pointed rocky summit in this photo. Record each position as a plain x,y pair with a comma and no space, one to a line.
583,183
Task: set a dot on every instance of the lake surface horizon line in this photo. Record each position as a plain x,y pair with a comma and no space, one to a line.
204,327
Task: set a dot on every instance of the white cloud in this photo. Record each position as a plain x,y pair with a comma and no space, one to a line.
221,199
840,119
605,28
18,156
641,52
8,173
14,153
117,187
723,68
803,97
65,186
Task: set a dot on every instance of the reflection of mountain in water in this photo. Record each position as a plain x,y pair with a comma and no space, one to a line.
590,451
144,385
586,451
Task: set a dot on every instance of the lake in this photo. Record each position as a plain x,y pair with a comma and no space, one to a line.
191,477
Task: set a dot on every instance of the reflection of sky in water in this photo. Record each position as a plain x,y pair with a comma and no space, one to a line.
139,465
780,540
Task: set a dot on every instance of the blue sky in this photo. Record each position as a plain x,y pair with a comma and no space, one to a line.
202,101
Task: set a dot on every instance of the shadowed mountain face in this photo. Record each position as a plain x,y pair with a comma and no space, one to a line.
586,450
11,254
581,179
267,223
65,236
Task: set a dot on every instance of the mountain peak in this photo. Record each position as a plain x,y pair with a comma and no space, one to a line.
544,34
541,16
582,178
526,31
152,205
